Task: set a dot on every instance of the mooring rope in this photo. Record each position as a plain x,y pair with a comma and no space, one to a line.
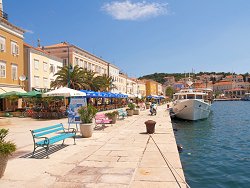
178,112
169,165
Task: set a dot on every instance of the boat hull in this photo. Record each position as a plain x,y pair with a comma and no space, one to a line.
191,109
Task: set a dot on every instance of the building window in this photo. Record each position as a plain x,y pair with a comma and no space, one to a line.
45,82
36,79
85,64
36,64
14,48
2,69
81,63
76,61
52,68
2,44
45,66
14,72
89,66
65,62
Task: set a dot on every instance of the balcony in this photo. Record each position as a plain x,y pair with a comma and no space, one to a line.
3,15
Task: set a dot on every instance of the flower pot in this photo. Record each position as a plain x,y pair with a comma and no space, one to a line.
3,163
130,112
86,129
114,119
147,106
136,112
150,126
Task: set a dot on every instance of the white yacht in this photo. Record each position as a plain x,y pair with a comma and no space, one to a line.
246,97
192,104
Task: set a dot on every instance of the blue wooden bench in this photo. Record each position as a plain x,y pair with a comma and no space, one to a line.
46,136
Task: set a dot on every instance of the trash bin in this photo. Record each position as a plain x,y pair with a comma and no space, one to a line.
150,126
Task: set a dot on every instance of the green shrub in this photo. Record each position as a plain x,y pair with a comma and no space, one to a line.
111,114
87,113
6,148
131,106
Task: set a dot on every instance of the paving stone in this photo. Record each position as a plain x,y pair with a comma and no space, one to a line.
113,157
115,179
149,184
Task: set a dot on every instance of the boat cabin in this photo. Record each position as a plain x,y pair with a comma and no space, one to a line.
183,96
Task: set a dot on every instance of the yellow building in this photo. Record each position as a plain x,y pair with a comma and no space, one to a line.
141,88
11,57
151,87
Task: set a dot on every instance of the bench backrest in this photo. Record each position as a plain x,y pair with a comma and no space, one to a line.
47,130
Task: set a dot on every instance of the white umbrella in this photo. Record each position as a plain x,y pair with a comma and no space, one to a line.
64,92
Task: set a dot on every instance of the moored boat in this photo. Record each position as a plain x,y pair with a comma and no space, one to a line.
192,104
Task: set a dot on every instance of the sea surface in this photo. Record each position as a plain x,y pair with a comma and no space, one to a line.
216,151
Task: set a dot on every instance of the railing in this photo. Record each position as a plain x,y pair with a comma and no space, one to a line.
3,15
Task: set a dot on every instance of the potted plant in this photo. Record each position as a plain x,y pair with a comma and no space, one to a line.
6,149
147,105
130,109
112,116
87,113
137,110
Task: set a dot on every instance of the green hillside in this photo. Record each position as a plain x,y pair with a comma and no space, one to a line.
159,77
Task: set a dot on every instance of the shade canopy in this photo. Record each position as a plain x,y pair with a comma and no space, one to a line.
33,94
12,93
64,92
92,94
95,94
155,97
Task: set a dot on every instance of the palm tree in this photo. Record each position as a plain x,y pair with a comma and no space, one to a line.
88,78
74,79
104,83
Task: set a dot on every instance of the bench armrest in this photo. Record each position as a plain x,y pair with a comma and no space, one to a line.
46,139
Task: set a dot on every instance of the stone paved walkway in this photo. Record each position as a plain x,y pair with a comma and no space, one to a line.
121,155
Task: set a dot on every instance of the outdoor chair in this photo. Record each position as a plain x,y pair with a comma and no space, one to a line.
122,113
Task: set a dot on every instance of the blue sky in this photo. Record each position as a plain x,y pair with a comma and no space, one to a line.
143,37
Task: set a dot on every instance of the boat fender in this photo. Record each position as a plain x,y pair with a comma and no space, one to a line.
179,147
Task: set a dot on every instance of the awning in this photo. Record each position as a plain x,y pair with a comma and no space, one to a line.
64,92
9,89
12,93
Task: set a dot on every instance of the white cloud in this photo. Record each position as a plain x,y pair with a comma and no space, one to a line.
29,31
127,10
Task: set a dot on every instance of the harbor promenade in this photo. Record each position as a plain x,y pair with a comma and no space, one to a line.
121,155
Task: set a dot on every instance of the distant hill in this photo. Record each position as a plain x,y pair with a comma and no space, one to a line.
159,77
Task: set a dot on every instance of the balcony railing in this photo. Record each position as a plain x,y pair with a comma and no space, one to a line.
3,15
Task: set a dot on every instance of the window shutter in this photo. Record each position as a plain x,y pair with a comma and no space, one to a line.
17,50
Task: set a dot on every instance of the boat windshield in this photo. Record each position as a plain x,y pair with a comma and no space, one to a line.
190,96
198,96
181,97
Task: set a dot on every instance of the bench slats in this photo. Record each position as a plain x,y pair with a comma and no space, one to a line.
48,132
57,138
48,138
47,128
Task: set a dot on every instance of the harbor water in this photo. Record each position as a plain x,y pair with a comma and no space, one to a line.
216,151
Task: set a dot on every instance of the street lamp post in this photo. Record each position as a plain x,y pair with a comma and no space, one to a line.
69,68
